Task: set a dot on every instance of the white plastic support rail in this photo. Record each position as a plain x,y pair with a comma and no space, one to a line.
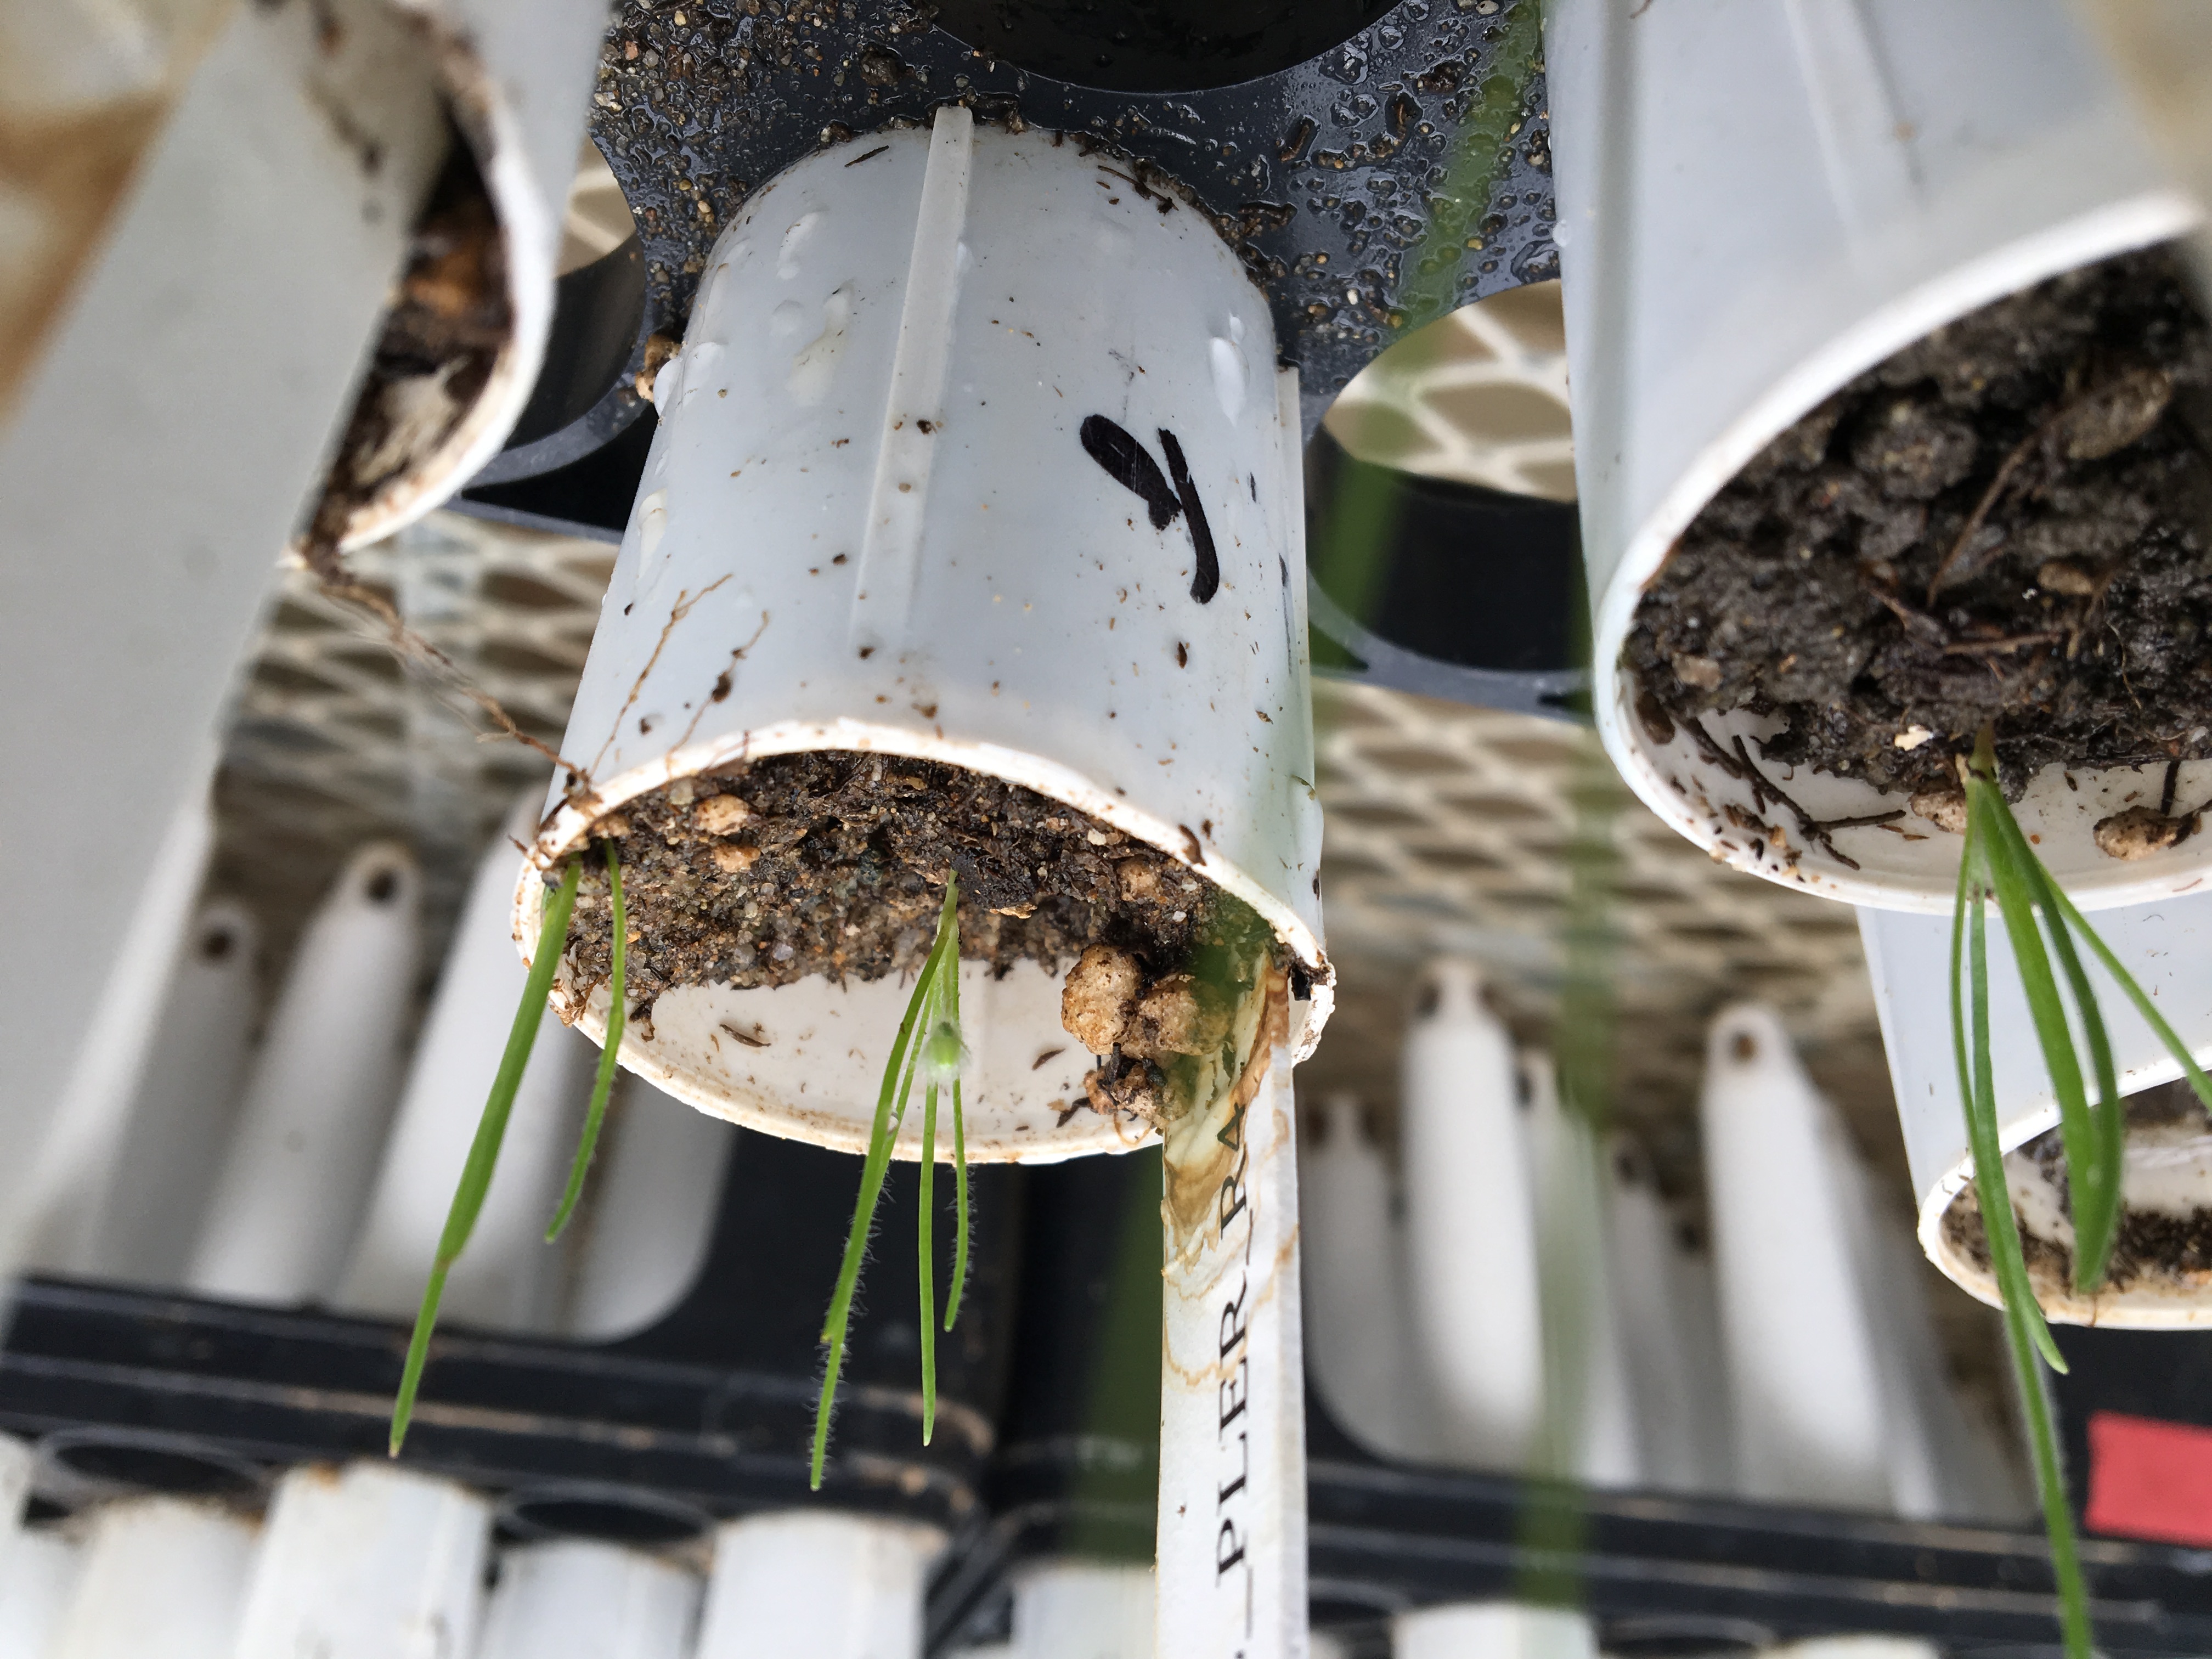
1232,1528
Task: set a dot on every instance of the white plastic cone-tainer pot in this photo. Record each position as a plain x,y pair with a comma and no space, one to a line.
1591,1430
1353,1249
320,1097
187,1101
59,1228
369,1562
1947,1459
1669,1332
1805,1382
1492,1630
574,1598
870,523
655,1191
158,1575
1470,1225
518,77
38,1574
1758,202
1083,1610
2167,949
812,1584
504,1278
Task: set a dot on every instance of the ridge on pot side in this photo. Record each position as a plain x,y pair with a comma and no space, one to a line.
1759,206
969,544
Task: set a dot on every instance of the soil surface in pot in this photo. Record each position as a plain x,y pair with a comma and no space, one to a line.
2166,1247
769,870
2009,521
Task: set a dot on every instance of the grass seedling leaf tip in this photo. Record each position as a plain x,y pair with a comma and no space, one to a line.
483,1151
928,1049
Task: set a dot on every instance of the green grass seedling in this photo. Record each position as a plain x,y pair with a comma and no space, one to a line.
610,1053
483,1151
929,1047
1998,863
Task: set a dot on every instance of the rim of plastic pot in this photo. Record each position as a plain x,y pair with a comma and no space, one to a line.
567,830
2153,1306
500,83
1908,965
1694,797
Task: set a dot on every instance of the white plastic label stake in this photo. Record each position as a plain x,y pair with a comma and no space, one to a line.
1233,1537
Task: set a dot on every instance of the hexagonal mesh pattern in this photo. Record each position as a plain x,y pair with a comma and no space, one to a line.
1479,396
1447,831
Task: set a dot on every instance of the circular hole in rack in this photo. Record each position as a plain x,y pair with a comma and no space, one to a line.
101,1462
1157,45
618,1515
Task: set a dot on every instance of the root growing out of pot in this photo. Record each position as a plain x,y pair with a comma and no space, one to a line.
767,872
2008,523
2163,1246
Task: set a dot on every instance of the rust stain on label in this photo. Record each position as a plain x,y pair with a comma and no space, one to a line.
1206,1149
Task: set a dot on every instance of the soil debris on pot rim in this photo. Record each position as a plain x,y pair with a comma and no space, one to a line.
450,318
2009,521
2164,1242
764,873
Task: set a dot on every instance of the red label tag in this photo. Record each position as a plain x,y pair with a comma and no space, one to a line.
2149,1478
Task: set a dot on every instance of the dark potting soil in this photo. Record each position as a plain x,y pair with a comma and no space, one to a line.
448,321
2152,1247
2009,521
769,870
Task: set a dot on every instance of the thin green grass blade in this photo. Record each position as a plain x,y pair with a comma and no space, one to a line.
2026,1332
610,1052
960,1216
959,1151
2051,1488
483,1151
925,1259
2093,1190
2091,1251
1977,1093
890,1110
2136,994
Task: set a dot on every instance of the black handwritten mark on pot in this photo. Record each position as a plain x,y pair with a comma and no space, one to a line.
1128,463
1206,578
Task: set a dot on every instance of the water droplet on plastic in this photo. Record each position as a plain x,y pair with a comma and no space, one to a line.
1229,376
